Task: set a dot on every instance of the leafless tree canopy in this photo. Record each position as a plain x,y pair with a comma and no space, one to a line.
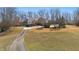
6,14
10,17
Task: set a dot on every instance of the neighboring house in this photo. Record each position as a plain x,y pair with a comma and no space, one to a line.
54,26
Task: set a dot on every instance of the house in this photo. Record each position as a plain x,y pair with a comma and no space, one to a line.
54,26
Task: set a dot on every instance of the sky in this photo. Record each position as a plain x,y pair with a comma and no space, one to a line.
35,9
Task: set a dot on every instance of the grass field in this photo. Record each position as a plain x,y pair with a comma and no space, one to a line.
55,40
7,38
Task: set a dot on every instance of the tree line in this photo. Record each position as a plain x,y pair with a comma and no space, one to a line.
10,17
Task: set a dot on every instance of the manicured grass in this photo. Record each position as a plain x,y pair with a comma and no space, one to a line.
7,38
52,41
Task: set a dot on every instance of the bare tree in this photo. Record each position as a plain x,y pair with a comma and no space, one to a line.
30,18
6,16
24,19
57,18
76,17
52,15
62,22
41,19
55,15
47,17
35,16
68,18
41,13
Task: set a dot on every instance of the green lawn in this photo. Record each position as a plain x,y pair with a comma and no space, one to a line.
7,38
52,41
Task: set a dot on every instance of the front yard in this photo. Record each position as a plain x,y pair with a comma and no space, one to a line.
59,40
7,38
